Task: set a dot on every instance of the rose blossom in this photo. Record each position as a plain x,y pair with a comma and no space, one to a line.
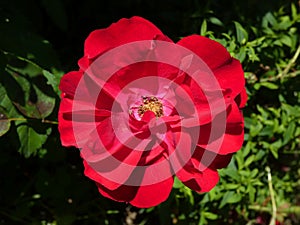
142,109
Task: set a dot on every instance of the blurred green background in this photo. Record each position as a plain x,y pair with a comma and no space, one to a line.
42,183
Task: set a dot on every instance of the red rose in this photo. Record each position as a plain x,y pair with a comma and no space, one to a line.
142,109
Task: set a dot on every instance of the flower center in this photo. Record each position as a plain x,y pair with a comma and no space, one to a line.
153,104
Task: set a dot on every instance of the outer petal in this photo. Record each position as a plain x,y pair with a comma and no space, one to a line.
69,82
234,134
229,141
152,195
211,52
84,63
231,76
93,175
65,125
143,196
200,181
227,70
206,159
241,99
121,194
122,32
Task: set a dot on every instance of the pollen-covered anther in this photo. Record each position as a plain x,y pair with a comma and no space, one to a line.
151,104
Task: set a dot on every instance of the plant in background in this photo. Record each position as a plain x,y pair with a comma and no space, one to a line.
259,186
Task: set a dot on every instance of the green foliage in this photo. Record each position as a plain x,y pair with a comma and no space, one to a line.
44,183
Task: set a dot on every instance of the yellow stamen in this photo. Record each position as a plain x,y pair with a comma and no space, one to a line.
152,104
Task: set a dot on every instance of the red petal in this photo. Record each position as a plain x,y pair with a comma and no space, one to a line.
69,82
93,175
241,99
152,195
84,63
112,160
200,181
104,142
223,140
143,196
231,76
211,52
227,70
65,125
183,150
234,134
121,194
122,32
203,159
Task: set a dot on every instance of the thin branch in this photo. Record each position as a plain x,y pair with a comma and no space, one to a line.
272,194
279,76
285,73
49,121
291,63
286,210
24,119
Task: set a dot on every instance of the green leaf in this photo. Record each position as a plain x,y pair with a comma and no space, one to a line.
177,183
254,172
289,133
241,55
251,190
215,21
294,11
241,33
249,160
4,122
292,111
239,159
267,131
274,148
248,122
25,67
6,103
231,186
268,19
285,23
231,173
28,97
189,194
286,40
269,85
30,140
202,220
230,197
246,150
209,215
53,79
203,28
259,155
39,108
